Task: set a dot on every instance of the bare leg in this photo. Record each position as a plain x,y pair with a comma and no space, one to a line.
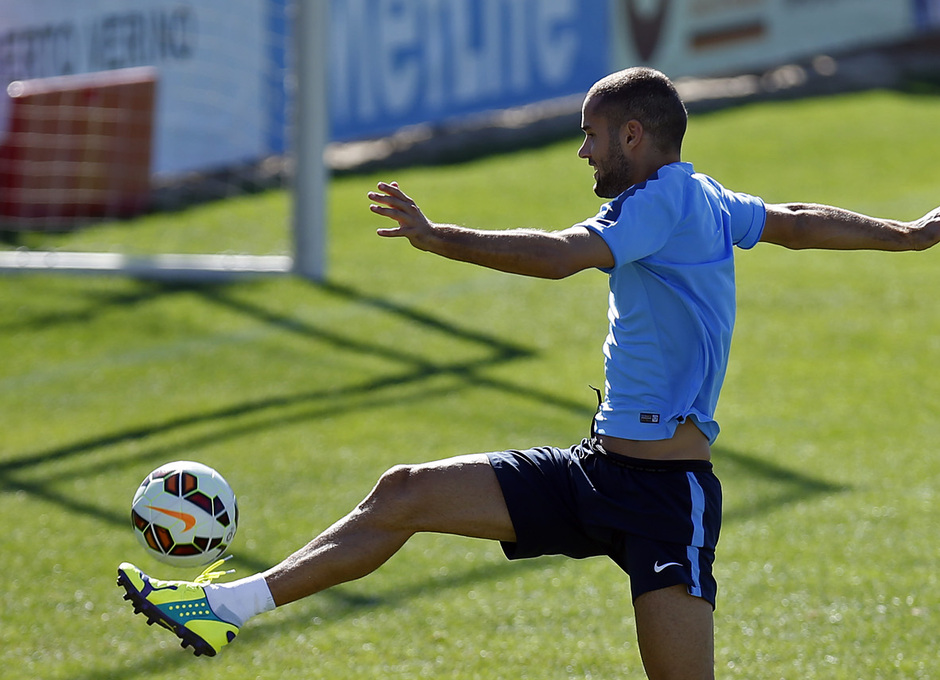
676,635
454,496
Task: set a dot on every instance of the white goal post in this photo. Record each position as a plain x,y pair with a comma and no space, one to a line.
310,129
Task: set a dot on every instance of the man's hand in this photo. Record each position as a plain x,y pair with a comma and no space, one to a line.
926,231
391,202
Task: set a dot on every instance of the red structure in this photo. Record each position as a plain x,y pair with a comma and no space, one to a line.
74,148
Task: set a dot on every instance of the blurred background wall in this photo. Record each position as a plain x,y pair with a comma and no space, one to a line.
225,75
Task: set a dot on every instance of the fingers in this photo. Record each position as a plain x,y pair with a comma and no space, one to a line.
389,211
389,191
390,201
393,189
389,194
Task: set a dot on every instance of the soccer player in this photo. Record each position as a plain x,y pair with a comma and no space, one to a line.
640,488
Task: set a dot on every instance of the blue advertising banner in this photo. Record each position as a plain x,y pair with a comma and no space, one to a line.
401,62
927,14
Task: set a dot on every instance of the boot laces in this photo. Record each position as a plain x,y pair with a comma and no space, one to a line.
208,575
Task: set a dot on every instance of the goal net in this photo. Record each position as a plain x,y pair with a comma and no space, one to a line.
156,139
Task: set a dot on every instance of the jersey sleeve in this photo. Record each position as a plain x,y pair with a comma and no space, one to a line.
635,225
748,216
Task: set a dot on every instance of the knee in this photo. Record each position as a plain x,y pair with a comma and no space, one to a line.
396,498
395,482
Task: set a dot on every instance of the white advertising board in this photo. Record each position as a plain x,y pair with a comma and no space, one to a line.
210,56
709,37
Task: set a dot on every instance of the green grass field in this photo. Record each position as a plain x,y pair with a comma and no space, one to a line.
302,394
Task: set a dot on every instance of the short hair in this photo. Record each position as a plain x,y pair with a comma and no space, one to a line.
648,96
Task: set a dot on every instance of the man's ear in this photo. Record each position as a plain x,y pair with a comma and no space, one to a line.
631,133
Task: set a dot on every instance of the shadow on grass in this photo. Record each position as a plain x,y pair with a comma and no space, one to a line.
787,486
416,368
86,305
34,475
26,473
343,604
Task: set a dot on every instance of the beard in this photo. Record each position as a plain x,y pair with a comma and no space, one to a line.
613,176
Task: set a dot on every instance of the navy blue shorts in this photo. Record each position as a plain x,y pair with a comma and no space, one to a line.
658,520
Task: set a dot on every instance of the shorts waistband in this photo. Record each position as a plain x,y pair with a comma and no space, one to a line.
647,464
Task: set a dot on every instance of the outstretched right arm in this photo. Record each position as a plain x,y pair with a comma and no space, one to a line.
530,252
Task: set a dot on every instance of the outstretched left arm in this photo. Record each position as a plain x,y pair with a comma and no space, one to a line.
798,225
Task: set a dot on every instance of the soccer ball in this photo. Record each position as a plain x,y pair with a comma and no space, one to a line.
184,514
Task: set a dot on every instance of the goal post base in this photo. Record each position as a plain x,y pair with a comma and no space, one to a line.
191,268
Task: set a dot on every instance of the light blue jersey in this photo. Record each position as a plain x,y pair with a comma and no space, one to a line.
672,300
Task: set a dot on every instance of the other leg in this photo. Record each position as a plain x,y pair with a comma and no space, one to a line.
456,496
675,632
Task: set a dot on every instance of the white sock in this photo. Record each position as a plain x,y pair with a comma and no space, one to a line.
238,601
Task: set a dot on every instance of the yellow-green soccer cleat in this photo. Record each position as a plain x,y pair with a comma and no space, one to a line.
179,606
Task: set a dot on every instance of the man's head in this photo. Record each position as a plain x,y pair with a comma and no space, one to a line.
634,122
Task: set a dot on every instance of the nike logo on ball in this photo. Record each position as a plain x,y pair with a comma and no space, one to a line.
659,567
189,521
